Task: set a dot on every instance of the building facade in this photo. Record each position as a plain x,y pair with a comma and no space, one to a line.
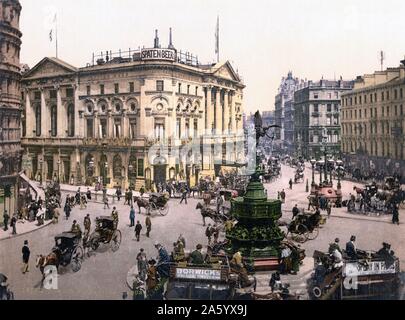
317,117
10,102
284,113
373,121
132,118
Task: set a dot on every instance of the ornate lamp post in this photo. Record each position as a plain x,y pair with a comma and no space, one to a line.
105,173
331,162
58,170
41,161
313,162
339,164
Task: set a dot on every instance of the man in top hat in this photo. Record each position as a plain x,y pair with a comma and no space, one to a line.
25,257
351,250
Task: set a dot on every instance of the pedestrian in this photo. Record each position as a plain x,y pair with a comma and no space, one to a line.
182,240
395,215
88,194
295,211
138,229
208,233
142,264
329,208
105,200
215,233
83,202
114,215
118,193
25,257
87,224
282,196
148,224
126,196
130,197
13,224
183,195
67,210
291,184
56,215
132,217
6,217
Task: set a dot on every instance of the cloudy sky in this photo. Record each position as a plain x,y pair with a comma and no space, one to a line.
263,39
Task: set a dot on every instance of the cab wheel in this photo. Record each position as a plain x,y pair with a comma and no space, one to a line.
77,258
116,241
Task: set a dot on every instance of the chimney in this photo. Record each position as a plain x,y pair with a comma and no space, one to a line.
156,44
171,40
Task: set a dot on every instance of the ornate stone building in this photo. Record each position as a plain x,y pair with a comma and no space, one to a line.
317,117
284,113
373,121
10,101
132,118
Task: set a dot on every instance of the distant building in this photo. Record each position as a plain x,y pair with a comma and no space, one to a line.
268,118
317,117
373,121
10,103
284,113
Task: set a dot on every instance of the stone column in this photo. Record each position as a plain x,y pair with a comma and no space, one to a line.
45,116
79,124
210,115
62,116
29,116
226,113
233,113
125,125
110,125
96,126
218,108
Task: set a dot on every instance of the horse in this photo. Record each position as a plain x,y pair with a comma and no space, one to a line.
44,261
207,213
142,203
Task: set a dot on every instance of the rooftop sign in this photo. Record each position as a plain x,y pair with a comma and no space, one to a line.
158,54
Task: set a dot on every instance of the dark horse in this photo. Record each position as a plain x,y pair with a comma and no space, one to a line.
207,212
142,203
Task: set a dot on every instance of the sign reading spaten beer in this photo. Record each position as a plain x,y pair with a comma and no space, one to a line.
198,274
158,54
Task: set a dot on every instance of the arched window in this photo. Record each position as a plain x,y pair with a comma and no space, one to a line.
54,121
38,120
117,166
71,120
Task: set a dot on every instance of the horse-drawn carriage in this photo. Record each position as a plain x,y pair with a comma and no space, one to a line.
299,175
305,227
155,203
105,232
67,251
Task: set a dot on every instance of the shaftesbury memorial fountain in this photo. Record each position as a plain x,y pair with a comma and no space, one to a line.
256,235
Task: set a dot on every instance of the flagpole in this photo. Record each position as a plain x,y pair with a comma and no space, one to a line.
56,31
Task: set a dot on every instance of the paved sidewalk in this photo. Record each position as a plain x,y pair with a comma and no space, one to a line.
23,227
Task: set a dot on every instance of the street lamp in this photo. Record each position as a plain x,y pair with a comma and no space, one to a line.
105,173
58,170
313,162
339,164
41,161
331,162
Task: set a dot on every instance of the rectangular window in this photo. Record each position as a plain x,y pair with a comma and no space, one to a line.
131,87
69,93
360,99
396,110
401,93
52,94
371,98
316,108
140,167
116,88
395,94
159,85
365,98
159,129
188,89
329,108
196,91
117,128
388,95
103,128
360,114
401,110
90,129
88,89
316,95
132,128
101,89
179,89
37,95
178,128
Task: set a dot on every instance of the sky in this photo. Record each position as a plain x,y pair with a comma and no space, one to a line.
263,39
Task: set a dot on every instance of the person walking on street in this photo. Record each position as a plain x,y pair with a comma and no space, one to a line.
183,195
295,211
142,264
105,200
395,215
88,194
87,224
118,193
148,224
114,215
329,208
282,196
67,210
25,257
6,217
138,229
208,233
132,217
13,224
291,184
130,197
